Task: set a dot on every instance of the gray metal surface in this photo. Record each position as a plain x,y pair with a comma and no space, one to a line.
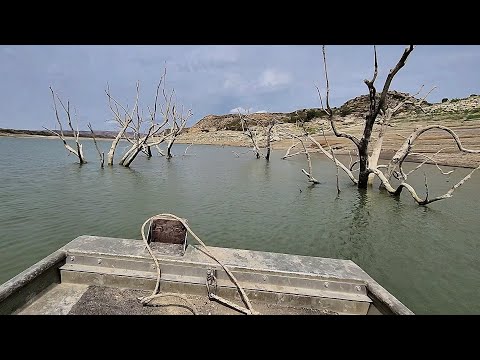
24,288
330,270
320,283
58,300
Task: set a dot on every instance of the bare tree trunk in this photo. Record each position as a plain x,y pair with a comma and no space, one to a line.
373,160
269,140
169,148
111,152
247,131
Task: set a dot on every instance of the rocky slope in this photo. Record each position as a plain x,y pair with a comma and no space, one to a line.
460,114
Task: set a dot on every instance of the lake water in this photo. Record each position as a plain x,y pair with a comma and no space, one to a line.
428,257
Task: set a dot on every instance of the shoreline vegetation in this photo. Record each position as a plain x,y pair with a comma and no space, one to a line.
461,115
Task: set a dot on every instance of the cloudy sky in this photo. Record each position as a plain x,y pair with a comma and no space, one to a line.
214,79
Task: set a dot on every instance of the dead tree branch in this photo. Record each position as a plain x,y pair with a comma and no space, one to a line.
248,131
396,192
123,122
309,160
338,163
405,149
334,159
287,154
101,154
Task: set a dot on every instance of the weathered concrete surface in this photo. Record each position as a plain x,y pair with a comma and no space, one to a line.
56,301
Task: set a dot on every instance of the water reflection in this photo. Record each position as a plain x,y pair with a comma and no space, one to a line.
426,256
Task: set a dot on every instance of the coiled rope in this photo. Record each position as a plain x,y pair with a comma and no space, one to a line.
155,294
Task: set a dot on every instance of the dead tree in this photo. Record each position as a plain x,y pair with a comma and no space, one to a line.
78,152
178,122
101,154
248,131
144,132
269,139
254,135
368,162
306,152
375,109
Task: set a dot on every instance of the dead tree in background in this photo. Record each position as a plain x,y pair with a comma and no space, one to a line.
269,139
178,121
254,135
248,131
309,160
144,132
78,152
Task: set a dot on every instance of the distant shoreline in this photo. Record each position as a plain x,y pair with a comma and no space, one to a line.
45,134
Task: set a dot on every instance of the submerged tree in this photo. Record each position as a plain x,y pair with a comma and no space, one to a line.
144,132
380,113
256,136
78,152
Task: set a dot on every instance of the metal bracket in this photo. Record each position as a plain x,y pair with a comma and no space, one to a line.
211,282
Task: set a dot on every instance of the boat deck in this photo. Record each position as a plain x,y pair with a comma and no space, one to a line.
99,300
101,275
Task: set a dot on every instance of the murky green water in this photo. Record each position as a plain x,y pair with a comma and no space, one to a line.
427,257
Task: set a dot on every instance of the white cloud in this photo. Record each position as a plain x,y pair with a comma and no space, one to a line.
209,58
241,110
274,78
261,112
